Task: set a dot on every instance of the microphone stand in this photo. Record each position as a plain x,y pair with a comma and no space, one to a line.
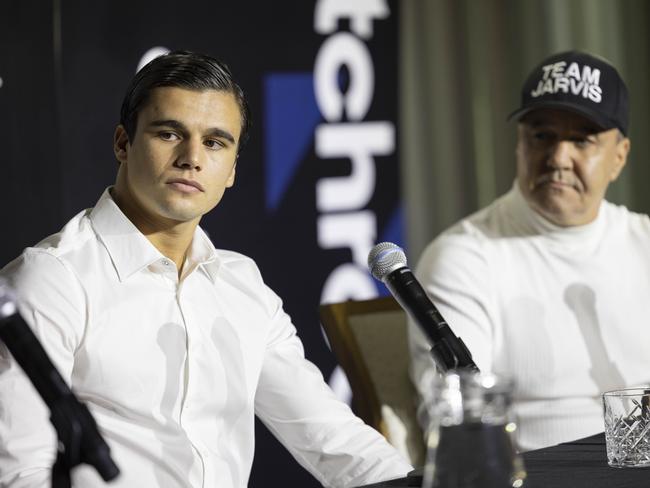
79,440
68,450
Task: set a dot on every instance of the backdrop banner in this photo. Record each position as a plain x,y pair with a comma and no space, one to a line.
317,185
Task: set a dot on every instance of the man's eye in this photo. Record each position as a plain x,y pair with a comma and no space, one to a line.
583,142
542,136
214,144
167,136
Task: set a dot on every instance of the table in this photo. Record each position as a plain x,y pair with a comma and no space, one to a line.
575,464
581,463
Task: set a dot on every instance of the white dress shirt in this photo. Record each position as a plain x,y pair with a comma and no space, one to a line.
172,370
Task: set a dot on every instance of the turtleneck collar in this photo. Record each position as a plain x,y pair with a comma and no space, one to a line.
532,223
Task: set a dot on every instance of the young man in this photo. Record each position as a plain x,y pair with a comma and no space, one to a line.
173,345
549,284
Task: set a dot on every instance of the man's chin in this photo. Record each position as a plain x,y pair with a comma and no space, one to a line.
562,204
558,212
182,214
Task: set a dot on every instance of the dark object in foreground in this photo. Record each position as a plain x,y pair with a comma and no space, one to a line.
79,439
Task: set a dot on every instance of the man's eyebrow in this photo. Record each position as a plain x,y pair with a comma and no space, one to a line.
216,131
175,124
168,123
592,130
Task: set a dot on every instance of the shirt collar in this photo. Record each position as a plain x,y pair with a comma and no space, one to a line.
131,251
203,254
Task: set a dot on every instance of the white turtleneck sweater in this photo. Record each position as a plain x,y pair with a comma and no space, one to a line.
563,311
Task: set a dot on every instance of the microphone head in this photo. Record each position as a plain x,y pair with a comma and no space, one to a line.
7,299
385,258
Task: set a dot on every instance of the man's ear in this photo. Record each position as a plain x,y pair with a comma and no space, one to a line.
231,177
622,150
120,143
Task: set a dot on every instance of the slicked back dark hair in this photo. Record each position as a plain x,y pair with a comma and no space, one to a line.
182,69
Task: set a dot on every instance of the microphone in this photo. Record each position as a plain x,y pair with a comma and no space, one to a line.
387,263
72,420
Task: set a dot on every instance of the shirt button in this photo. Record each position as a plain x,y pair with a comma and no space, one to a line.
165,262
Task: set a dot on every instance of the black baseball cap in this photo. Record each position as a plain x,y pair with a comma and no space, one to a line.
581,83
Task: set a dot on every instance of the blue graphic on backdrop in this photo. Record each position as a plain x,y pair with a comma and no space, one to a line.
290,118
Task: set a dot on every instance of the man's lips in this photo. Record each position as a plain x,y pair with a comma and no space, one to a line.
557,179
185,185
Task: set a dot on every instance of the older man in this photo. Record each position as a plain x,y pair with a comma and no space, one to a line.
549,284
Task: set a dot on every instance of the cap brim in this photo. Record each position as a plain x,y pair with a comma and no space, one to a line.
602,122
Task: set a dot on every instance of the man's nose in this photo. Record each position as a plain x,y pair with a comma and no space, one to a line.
189,156
561,155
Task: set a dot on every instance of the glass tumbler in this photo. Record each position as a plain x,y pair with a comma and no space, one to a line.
627,427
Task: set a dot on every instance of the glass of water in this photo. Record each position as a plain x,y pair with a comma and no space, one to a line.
627,427
471,435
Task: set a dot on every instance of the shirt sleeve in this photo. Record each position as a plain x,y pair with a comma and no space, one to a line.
50,301
454,272
320,431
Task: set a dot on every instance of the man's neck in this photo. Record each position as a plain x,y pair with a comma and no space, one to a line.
172,238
